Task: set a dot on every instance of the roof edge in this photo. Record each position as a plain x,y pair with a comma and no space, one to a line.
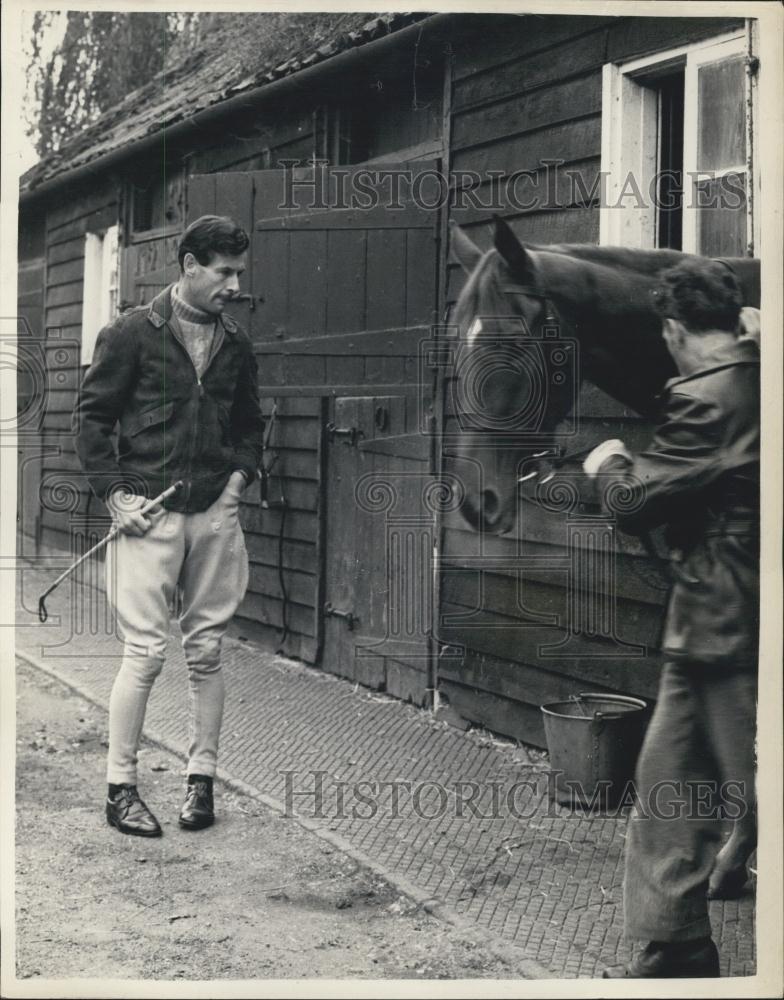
259,94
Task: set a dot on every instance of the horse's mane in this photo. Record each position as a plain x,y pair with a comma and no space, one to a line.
628,258
603,268
612,273
608,282
644,262
641,267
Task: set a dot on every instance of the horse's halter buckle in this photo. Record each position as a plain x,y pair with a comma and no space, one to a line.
550,314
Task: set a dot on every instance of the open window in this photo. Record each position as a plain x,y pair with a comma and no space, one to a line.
153,221
677,149
157,203
394,113
101,286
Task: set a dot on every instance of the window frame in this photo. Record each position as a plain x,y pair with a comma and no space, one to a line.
340,117
630,142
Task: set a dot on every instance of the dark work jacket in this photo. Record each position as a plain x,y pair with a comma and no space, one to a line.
700,477
172,424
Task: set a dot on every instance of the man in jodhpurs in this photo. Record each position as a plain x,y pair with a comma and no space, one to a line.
700,477
178,378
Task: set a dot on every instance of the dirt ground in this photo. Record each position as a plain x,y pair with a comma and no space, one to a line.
254,897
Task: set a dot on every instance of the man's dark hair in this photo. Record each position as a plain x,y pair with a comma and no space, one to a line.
703,294
211,235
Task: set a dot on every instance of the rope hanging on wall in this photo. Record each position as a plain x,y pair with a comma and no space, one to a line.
281,505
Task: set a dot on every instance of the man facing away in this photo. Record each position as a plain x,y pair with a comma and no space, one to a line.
180,379
700,477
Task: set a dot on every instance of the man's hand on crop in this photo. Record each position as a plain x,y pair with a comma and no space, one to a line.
125,509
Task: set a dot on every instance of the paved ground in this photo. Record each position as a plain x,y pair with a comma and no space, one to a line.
461,818
254,897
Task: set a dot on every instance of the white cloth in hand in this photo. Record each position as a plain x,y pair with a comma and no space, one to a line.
601,453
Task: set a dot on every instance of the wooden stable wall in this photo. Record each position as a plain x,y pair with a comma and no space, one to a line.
310,279
30,379
337,305
526,90
252,142
521,90
273,533
65,491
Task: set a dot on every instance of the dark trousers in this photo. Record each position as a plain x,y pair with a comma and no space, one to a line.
700,741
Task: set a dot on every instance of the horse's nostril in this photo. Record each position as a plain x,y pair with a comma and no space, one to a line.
490,506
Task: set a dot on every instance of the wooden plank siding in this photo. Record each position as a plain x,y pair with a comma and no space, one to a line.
272,136
523,105
31,396
148,263
295,441
531,96
294,535
351,341
88,209
531,93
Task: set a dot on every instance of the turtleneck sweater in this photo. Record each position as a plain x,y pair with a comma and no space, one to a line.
197,328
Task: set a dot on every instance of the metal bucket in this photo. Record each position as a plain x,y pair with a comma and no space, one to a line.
593,741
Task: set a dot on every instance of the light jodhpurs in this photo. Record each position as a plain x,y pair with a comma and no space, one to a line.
701,736
205,553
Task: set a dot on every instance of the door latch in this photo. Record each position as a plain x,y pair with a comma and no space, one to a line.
351,433
348,616
247,297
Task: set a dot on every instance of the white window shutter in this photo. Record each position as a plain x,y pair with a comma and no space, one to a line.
91,299
109,275
101,281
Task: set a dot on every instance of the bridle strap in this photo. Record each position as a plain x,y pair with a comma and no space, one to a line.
559,458
551,314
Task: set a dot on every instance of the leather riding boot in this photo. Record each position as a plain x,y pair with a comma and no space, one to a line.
128,813
671,960
198,809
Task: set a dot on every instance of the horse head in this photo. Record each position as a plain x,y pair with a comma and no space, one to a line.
532,323
506,404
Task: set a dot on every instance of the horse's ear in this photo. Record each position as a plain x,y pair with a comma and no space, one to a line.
512,250
465,251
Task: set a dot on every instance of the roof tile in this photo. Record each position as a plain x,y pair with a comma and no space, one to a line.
244,52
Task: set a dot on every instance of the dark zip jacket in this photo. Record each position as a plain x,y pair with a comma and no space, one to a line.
172,424
700,476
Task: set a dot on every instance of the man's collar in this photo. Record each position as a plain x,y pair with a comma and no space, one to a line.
160,312
742,352
183,310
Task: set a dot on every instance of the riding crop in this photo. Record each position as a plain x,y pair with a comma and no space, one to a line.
42,613
558,458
